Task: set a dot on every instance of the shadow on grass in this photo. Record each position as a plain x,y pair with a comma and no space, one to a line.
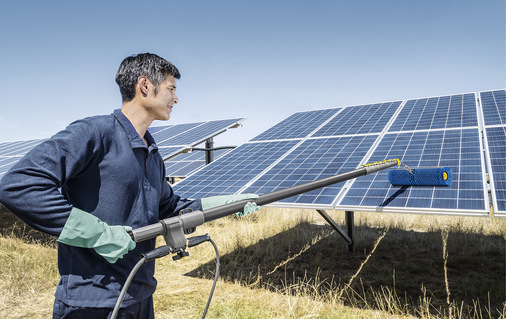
11,226
404,262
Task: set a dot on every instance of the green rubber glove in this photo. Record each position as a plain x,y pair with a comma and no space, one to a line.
214,201
85,230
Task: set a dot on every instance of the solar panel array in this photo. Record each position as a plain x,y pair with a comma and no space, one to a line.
425,132
11,152
301,148
173,139
493,105
184,164
170,139
430,132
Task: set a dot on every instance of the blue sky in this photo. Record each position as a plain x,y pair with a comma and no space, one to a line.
262,60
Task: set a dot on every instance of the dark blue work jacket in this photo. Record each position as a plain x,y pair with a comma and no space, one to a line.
102,166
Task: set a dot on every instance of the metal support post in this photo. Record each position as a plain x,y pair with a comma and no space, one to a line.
335,226
350,225
209,152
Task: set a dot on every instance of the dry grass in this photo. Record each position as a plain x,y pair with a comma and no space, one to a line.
286,263
28,278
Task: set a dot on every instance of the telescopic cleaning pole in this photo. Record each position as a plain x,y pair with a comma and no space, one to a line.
175,228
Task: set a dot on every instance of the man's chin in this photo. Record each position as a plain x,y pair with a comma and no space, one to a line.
165,117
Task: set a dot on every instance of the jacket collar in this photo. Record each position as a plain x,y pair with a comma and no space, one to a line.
134,138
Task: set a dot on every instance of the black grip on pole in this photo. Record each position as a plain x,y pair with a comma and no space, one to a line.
158,252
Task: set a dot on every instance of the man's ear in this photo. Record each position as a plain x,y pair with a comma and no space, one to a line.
143,85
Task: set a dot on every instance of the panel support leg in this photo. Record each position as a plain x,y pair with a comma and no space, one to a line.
209,151
350,226
342,233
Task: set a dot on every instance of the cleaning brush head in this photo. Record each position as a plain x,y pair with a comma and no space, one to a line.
437,176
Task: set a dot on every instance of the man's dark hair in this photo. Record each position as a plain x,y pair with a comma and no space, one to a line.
152,66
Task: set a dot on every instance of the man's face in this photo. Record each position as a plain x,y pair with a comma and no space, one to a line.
162,103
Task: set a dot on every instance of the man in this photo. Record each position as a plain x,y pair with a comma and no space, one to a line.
92,182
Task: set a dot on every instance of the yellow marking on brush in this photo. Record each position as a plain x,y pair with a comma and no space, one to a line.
382,162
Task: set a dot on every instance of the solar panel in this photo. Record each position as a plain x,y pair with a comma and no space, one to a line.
198,133
162,133
169,151
496,137
493,104
6,163
156,129
428,132
362,119
18,148
171,140
494,107
322,143
314,159
298,125
437,113
234,170
11,152
425,132
184,164
459,149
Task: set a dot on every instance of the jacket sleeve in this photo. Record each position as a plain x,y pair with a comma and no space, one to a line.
31,188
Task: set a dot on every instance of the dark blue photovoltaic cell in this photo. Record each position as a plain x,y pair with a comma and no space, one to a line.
298,125
168,132
457,149
437,113
181,161
231,172
496,137
185,163
197,133
362,119
315,159
167,151
156,129
494,107
19,148
6,163
11,152
173,139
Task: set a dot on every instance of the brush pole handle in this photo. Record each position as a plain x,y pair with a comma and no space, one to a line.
183,222
224,210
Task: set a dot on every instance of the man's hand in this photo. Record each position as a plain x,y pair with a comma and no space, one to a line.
85,230
214,201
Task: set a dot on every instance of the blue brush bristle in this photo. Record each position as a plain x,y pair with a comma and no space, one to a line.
439,176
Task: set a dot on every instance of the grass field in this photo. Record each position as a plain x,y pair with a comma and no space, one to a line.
286,263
